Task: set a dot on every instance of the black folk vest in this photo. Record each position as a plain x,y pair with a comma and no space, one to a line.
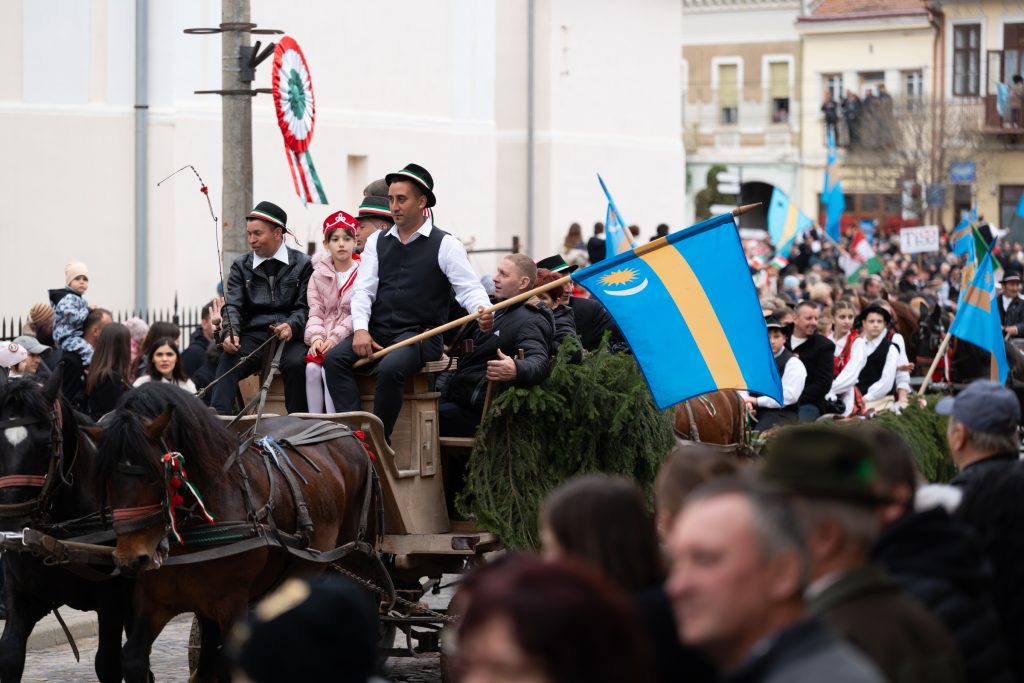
413,293
874,366
780,363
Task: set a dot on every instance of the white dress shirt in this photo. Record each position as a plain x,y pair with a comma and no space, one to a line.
451,259
794,377
280,255
902,376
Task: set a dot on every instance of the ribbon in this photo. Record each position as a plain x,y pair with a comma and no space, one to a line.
174,479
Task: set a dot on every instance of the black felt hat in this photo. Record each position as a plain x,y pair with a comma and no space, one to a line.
271,213
556,264
375,207
772,323
873,308
1011,274
418,175
323,631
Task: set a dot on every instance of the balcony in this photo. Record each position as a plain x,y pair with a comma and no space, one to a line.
756,120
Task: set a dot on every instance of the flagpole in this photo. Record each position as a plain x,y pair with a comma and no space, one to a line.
466,319
935,362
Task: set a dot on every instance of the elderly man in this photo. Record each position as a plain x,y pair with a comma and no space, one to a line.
526,326
736,585
816,352
984,442
831,475
982,430
266,295
405,283
1011,306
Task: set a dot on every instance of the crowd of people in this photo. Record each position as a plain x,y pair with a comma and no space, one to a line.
830,560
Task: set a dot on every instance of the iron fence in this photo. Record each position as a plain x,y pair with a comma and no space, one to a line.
188,319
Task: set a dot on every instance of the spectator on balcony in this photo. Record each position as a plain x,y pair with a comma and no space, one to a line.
1016,101
831,111
851,113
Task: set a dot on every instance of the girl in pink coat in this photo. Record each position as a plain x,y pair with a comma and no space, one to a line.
330,297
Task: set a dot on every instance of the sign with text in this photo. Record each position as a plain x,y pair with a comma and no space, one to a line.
924,239
963,172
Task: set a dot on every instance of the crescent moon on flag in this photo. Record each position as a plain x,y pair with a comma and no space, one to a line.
628,292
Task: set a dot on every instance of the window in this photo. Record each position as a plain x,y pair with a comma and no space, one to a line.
966,59
913,85
728,93
1009,198
834,85
778,91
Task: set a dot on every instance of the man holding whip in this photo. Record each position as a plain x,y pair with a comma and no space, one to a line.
405,283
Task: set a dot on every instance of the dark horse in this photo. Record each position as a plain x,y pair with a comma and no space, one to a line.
47,482
158,419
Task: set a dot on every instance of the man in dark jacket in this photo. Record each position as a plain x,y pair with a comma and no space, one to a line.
1011,306
527,326
266,294
983,441
596,245
832,478
194,355
939,561
816,352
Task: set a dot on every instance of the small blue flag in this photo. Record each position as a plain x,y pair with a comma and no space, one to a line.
785,222
1020,206
616,237
832,194
688,308
962,238
977,317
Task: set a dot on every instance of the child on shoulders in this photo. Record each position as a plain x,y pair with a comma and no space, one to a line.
70,310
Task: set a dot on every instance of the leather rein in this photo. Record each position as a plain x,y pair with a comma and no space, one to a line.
46,483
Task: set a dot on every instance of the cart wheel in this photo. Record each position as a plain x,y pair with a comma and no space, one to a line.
195,638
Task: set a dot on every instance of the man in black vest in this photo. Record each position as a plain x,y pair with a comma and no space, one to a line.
528,326
266,294
1011,306
815,352
404,287
794,376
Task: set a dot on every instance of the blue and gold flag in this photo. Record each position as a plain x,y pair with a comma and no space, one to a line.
977,317
785,222
616,236
688,308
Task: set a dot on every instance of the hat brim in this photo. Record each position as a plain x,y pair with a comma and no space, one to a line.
945,405
394,177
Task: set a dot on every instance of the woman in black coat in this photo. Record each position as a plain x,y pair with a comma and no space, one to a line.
110,373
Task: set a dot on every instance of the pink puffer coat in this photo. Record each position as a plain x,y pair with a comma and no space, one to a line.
330,315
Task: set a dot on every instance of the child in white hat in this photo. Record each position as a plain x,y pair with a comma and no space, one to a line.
70,310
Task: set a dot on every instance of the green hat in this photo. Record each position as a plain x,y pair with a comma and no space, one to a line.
822,462
375,207
417,174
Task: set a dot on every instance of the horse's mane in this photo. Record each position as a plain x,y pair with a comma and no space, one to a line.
25,396
193,430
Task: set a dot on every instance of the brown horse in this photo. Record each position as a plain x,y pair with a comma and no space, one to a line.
717,418
158,419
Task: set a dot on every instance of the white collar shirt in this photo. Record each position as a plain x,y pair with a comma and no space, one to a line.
281,255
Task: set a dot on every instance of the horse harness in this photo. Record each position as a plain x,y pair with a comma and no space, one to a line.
46,483
709,406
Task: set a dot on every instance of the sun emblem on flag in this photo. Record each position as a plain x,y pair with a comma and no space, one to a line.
622,276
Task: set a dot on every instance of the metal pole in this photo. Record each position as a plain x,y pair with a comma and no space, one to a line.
141,153
530,39
236,123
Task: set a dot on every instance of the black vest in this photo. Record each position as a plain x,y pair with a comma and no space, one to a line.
780,363
769,417
413,293
873,367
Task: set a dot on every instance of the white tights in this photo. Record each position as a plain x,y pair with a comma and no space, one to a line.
317,396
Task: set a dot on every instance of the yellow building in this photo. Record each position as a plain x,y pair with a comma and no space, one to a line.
982,45
875,61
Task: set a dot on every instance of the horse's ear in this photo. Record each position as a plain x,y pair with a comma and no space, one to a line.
52,387
936,313
94,432
156,427
922,311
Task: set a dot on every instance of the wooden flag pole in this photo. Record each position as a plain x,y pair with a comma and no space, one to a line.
935,362
466,319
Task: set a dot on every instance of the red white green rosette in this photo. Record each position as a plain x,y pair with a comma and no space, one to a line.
296,115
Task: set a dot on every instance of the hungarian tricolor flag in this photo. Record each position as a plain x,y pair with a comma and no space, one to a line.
861,257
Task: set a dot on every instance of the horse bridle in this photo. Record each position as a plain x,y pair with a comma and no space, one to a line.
46,483
131,520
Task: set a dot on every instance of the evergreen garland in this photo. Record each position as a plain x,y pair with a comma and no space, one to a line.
593,416
925,431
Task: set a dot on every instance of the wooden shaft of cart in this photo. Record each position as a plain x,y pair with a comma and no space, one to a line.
466,319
